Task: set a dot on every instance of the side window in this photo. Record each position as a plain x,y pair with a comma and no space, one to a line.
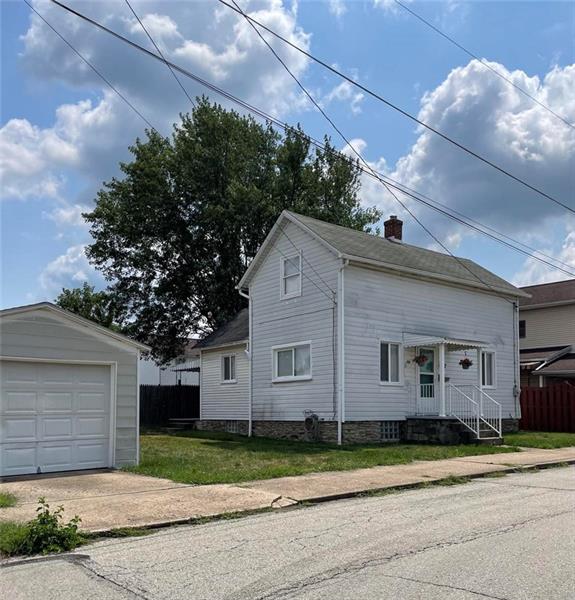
291,276
229,368
522,329
488,369
389,362
292,363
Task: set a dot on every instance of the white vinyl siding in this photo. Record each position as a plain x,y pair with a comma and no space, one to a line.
390,372
380,306
309,316
229,368
218,399
292,362
38,335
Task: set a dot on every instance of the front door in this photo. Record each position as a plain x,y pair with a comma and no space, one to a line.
427,404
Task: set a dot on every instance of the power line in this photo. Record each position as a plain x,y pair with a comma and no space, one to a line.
160,53
284,126
395,107
360,157
98,73
482,61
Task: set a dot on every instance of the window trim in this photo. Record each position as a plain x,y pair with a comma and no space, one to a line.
400,363
283,259
222,369
289,378
494,365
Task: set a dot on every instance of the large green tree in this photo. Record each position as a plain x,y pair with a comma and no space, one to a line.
176,232
101,307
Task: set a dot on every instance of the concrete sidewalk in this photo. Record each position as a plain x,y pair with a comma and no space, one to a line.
115,499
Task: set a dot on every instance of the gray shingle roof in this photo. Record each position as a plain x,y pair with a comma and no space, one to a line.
549,293
236,330
369,247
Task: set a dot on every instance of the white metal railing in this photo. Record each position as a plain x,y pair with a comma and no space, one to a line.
474,408
426,401
463,407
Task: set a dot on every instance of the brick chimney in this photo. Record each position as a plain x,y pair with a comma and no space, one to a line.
393,228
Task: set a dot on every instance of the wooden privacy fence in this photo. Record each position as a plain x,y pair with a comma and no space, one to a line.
550,408
160,403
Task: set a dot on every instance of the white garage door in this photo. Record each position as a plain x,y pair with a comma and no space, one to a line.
53,417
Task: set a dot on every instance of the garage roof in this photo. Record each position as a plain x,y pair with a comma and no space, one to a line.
74,318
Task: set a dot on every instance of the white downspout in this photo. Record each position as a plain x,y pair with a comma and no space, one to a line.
341,354
442,405
250,355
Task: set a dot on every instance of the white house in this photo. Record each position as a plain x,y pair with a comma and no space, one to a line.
353,337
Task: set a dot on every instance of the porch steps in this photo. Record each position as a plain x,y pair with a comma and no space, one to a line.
447,430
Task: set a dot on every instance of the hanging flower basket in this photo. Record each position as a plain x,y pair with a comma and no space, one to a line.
465,363
420,359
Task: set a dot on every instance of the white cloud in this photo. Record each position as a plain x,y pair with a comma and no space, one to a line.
69,215
27,157
345,92
489,116
337,8
533,271
70,269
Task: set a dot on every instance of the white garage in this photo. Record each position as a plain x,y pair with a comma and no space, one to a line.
68,393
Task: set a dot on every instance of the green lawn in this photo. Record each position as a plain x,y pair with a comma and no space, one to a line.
540,439
7,499
203,458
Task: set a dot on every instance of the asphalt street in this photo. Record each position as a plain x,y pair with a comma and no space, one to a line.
507,538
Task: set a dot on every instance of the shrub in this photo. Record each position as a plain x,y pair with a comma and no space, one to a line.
44,534
12,537
7,500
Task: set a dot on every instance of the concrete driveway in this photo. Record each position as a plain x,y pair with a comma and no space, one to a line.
110,499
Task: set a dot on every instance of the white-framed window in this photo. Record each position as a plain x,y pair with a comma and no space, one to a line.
291,276
292,362
390,361
488,375
229,368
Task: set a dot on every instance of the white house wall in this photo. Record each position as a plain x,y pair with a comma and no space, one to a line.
379,306
36,335
224,401
306,317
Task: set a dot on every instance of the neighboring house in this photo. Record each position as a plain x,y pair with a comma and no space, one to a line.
547,333
184,370
353,337
69,393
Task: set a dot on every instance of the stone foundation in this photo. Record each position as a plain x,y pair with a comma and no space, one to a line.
414,429
510,425
354,432
239,427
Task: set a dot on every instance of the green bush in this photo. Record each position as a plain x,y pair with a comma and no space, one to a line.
44,534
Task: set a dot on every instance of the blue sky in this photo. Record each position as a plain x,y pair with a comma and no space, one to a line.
63,132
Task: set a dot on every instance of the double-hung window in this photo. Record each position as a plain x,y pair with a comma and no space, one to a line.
389,363
292,363
488,369
522,329
229,368
291,276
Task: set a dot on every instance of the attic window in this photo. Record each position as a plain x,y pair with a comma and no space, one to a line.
291,276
